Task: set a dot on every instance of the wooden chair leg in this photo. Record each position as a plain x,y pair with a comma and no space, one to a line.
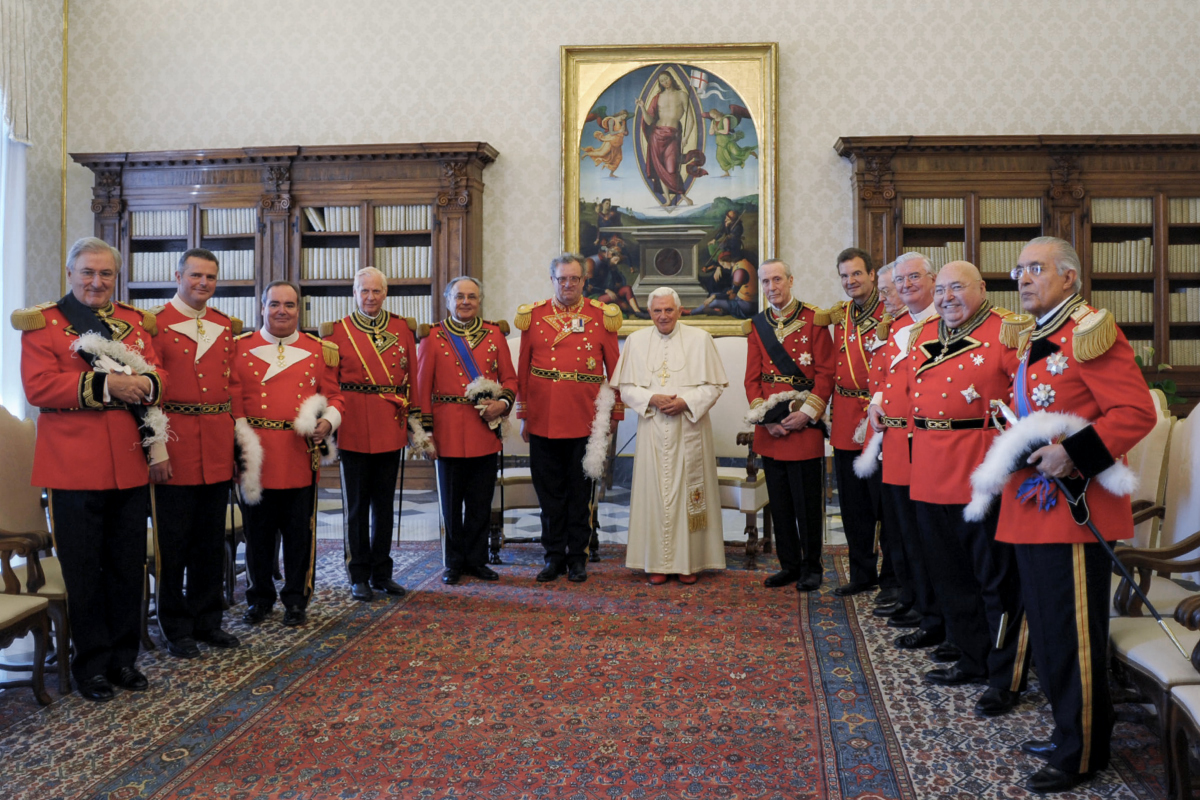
62,644
751,541
768,538
41,635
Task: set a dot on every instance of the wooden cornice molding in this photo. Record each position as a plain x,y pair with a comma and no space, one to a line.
479,153
856,147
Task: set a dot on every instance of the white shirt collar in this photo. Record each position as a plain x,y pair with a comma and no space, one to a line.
928,311
370,316
671,335
186,310
292,339
1042,320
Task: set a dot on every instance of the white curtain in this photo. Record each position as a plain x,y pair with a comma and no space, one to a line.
14,96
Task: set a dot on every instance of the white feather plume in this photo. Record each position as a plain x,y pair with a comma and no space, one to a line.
419,442
866,462
251,462
1005,457
156,421
306,421
97,345
755,415
596,452
486,388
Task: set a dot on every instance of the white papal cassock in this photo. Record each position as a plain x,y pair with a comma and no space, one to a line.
675,508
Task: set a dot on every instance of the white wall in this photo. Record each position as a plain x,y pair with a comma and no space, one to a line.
152,74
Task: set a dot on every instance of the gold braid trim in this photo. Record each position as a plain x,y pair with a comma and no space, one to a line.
915,332
235,326
612,317
1094,335
747,325
30,319
1012,328
502,324
884,327
821,317
149,318
837,314
423,330
332,355
523,318
325,329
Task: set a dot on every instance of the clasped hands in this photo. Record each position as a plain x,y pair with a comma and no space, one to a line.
795,421
670,404
129,389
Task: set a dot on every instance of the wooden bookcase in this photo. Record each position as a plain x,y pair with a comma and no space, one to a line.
312,215
1129,204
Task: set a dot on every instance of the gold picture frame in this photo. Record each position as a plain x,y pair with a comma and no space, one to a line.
664,161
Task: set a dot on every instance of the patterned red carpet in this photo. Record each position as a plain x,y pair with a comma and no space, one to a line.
609,689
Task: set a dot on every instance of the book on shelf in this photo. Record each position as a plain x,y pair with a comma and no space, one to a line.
1127,307
404,218
1122,211
1133,256
1185,305
158,223
1183,210
315,219
932,211
228,221
999,256
1184,353
1183,258
153,267
938,257
1010,211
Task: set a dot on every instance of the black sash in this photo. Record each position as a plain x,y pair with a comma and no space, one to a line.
775,349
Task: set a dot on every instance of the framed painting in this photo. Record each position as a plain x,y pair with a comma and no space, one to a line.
669,175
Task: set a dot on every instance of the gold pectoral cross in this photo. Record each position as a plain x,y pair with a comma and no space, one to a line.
664,374
282,357
201,335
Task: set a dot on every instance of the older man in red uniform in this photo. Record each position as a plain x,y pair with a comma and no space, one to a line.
854,340
466,381
191,493
789,377
90,367
1071,358
956,368
568,345
292,405
375,349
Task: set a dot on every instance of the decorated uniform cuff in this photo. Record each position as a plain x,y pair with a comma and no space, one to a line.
618,411
814,407
509,397
91,390
333,417
1088,451
427,422
521,409
156,389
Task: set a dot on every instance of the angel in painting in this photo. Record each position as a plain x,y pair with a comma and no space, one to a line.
611,136
729,153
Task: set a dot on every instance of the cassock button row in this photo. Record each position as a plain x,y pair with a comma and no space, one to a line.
1063,340
1033,377
948,378
943,394
264,394
941,413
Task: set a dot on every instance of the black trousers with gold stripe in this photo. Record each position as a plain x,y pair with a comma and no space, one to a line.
1066,592
290,514
190,525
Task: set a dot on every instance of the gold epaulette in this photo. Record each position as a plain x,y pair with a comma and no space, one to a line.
411,323
524,315
884,327
330,351
1094,334
747,326
325,329
821,317
30,319
235,326
1000,311
149,317
243,335
837,313
1015,329
612,316
502,324
423,330
914,332
156,310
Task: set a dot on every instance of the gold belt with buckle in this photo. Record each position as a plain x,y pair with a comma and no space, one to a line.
895,422
270,424
861,394
108,407
369,388
197,409
926,424
558,375
452,398
799,381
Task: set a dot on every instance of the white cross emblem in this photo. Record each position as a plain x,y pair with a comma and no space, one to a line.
804,340
978,359
312,381
1056,364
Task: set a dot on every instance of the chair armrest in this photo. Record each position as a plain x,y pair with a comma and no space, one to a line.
1143,563
1180,548
1148,512
39,540
20,545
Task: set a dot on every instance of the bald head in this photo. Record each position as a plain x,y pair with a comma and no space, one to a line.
958,292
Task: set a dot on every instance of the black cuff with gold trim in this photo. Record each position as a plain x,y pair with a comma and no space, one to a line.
509,396
91,390
1088,451
156,389
427,422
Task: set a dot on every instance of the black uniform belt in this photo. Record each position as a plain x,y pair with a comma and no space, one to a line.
861,394
369,388
558,375
108,407
895,422
197,409
799,382
926,424
270,424
452,398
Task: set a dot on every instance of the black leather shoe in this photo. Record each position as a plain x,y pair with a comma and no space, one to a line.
952,676
577,573
550,572
886,610
780,579
809,583
483,572
389,586
129,678
218,638
451,576
361,591
97,689
995,702
183,647
255,614
1042,748
294,616
946,652
907,619
887,597
916,639
853,588
1048,780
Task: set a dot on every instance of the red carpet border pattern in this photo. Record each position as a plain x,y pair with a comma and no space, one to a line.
609,689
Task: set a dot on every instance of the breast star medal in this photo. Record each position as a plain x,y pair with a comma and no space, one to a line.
591,363
1056,364
1043,394
201,334
978,359
969,394
805,359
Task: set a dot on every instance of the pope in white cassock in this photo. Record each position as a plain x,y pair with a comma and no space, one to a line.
670,376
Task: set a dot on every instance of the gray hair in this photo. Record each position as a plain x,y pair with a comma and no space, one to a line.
566,258
904,258
369,272
1064,256
90,244
267,290
886,269
449,292
664,291
787,271
196,252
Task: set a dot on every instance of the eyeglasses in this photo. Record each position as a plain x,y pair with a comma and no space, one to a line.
956,288
1035,268
912,277
569,280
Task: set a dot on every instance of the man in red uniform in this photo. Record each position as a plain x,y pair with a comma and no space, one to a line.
568,345
854,323
912,281
90,366
466,381
374,349
1069,358
291,400
789,377
191,493
955,369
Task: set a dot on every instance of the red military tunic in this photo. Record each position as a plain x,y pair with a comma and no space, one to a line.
375,354
854,341
458,430
888,386
199,401
1091,375
81,442
950,390
565,354
274,384
808,343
